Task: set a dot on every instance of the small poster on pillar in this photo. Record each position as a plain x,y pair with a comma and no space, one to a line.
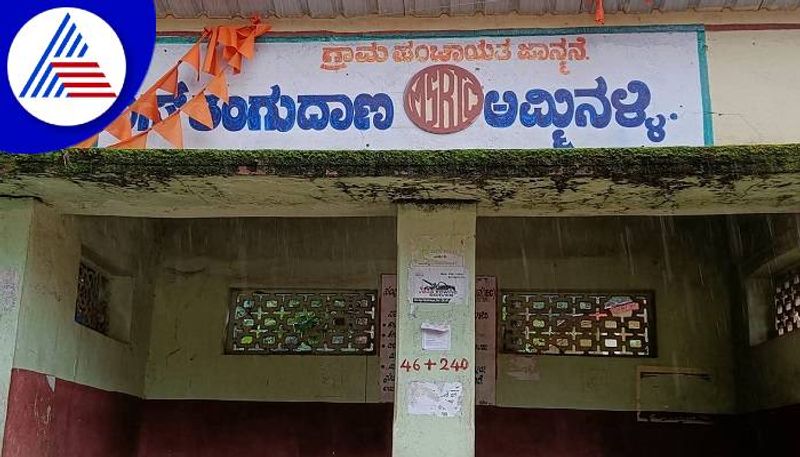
437,285
485,337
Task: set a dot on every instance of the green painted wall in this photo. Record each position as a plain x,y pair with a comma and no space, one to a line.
684,260
202,258
48,340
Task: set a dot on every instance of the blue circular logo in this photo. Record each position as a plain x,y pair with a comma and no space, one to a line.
72,67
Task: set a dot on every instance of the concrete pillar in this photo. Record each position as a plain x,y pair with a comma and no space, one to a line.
435,240
16,217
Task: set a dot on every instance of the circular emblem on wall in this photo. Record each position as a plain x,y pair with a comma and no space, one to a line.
443,99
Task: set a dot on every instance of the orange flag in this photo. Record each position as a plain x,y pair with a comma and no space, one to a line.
193,58
227,35
171,129
236,63
121,127
248,47
219,87
147,105
87,143
599,12
137,142
197,109
210,64
169,82
228,52
214,64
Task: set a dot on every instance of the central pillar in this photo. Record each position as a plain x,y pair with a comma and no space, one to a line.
434,409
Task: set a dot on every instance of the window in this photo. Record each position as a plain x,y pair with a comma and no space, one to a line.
91,306
104,301
787,302
577,323
307,322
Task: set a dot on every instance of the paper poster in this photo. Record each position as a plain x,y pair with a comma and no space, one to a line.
485,347
437,285
388,322
435,337
440,399
440,259
485,339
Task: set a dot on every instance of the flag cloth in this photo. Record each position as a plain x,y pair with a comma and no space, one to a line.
171,130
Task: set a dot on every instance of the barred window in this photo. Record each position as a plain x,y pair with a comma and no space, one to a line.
91,306
316,322
787,302
577,323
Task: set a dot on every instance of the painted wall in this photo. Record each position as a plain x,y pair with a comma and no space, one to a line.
73,391
50,417
49,340
202,259
214,428
15,227
769,372
683,260
753,85
751,68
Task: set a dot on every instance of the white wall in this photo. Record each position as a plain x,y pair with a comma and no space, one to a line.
753,81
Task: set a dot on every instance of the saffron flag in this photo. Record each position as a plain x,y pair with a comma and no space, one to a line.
137,142
147,105
219,86
171,130
121,127
197,109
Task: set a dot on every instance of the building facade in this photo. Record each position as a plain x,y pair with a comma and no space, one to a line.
456,229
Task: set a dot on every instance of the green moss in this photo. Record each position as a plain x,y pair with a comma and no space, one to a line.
132,167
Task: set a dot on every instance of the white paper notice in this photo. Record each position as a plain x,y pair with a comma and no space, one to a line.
437,285
441,399
435,337
485,314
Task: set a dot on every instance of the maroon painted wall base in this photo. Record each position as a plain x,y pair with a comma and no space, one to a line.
78,421
224,428
67,419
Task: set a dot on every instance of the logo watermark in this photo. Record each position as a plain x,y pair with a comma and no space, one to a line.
66,66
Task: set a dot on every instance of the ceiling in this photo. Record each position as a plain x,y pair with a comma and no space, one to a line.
433,8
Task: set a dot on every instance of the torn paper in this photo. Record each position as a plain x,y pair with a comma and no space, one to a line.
440,399
436,337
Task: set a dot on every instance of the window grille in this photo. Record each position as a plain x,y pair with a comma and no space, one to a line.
577,323
787,302
301,322
91,306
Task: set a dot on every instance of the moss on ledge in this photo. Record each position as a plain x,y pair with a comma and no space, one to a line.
630,164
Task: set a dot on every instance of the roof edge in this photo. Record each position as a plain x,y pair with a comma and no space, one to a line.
631,164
